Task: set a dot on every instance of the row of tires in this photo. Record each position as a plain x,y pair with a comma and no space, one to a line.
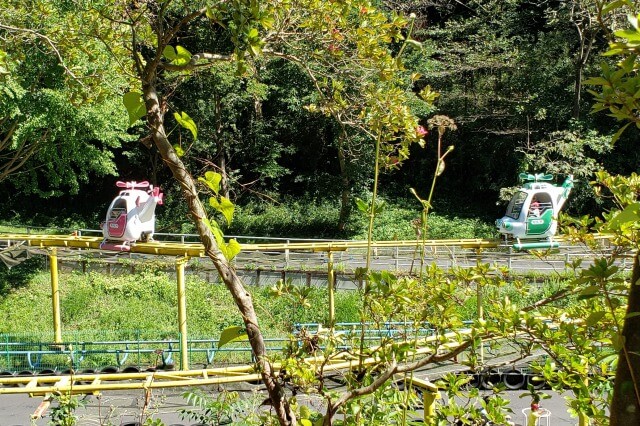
104,370
513,379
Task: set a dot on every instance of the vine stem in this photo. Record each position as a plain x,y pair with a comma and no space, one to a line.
372,211
372,215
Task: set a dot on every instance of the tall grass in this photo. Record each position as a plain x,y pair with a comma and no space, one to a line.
147,301
144,305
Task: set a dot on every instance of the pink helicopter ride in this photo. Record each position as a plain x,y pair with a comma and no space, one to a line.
131,216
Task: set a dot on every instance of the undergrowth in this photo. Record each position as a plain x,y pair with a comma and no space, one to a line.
143,305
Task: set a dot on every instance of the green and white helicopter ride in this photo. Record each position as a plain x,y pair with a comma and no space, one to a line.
532,215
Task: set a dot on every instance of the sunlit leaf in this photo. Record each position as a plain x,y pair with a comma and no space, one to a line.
178,149
183,56
232,334
212,180
135,106
187,122
169,52
226,207
233,248
631,213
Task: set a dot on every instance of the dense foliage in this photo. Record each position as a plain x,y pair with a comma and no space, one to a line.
269,77
506,72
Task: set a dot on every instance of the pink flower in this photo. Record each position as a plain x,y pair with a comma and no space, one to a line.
421,131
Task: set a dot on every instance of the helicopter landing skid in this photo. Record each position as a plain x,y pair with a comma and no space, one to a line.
115,245
533,245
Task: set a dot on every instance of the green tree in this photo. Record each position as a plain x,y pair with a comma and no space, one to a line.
353,35
615,93
509,73
58,124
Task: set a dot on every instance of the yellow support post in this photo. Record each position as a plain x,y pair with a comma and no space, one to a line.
182,313
331,278
430,394
55,296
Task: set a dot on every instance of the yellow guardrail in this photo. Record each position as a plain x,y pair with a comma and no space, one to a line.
96,383
197,249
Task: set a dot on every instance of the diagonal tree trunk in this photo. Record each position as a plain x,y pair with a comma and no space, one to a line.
155,118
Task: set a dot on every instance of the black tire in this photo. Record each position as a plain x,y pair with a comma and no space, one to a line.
513,379
535,381
489,379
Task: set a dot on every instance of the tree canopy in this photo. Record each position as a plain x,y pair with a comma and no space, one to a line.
221,95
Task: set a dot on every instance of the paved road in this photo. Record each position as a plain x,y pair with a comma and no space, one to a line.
125,409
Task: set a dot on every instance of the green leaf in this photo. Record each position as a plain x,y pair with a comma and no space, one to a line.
187,122
135,106
212,180
589,292
224,206
256,49
178,149
631,213
217,233
227,208
183,56
363,206
267,21
169,52
594,318
232,249
253,33
628,34
306,422
232,334
380,207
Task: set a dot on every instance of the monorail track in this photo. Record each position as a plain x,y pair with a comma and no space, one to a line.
463,252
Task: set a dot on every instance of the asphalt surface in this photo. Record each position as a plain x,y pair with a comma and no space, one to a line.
127,408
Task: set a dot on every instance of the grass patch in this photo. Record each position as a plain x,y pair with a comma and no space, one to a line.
147,303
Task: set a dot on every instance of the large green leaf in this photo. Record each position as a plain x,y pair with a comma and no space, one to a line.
232,249
177,56
227,208
169,52
212,180
135,106
232,334
187,122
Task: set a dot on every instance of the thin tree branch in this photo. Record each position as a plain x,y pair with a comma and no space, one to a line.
51,44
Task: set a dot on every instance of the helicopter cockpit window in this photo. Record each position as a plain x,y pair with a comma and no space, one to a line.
119,207
540,203
515,205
